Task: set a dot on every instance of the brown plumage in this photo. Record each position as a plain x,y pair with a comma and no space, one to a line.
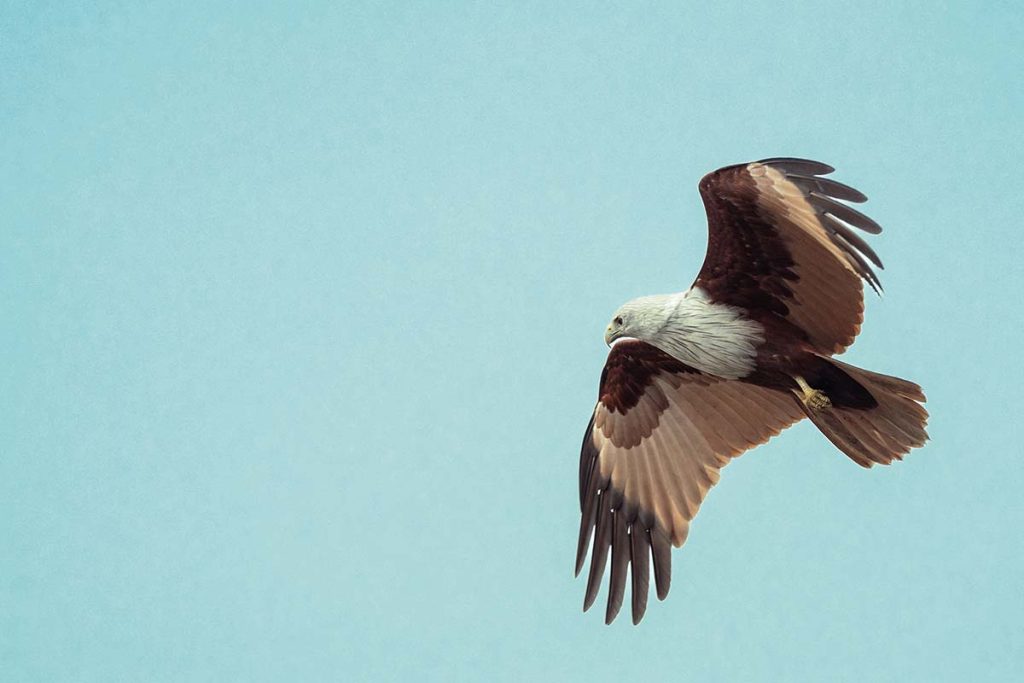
782,253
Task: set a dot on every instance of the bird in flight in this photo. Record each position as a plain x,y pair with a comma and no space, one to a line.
696,378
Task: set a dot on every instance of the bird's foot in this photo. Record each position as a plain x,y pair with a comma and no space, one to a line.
815,399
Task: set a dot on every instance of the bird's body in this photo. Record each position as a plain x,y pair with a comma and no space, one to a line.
697,377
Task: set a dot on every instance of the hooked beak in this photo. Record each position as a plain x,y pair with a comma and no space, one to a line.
609,336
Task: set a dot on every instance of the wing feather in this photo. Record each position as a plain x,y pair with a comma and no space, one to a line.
620,566
639,558
639,495
827,187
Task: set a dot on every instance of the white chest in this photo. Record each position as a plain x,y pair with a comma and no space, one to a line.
713,338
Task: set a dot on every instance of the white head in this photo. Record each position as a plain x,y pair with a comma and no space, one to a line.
641,318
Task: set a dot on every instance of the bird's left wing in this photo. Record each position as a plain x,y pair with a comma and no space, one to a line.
781,240
659,435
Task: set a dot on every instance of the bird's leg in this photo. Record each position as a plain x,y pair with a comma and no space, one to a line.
815,399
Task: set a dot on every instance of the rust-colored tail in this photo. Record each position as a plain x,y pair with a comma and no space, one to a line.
878,434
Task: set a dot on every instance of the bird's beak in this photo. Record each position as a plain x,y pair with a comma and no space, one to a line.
608,335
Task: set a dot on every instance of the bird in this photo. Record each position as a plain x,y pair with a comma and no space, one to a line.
696,378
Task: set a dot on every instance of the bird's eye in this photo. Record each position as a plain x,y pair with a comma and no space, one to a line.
618,320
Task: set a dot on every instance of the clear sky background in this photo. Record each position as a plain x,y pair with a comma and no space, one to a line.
304,308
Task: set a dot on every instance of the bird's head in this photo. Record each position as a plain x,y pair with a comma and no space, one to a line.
616,328
640,318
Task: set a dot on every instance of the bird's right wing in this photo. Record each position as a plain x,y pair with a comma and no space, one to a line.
659,435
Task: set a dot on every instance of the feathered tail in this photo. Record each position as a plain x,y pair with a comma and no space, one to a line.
877,434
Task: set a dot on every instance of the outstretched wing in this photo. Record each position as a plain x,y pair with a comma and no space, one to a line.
658,437
779,240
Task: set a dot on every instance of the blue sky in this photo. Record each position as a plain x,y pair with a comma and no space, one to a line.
305,307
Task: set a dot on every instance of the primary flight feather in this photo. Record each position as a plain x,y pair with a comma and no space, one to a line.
696,378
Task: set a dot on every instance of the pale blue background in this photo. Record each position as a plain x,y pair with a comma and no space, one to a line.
303,310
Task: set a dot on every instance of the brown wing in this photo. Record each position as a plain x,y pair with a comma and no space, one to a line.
779,241
659,434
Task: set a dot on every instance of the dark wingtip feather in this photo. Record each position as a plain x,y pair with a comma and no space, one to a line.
798,166
599,557
844,213
860,265
587,520
828,187
588,516
661,551
620,565
640,556
588,458
837,227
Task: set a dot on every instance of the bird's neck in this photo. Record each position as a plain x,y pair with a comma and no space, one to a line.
711,337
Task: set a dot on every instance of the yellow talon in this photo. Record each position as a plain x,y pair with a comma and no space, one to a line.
815,399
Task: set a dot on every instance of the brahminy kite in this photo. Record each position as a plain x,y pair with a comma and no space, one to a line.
696,378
